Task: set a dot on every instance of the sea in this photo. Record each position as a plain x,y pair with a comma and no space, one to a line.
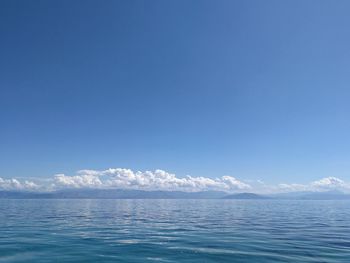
259,231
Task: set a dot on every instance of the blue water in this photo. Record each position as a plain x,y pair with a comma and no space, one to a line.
174,231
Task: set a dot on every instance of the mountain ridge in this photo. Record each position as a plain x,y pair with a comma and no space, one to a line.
87,193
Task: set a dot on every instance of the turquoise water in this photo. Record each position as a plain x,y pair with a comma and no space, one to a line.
174,231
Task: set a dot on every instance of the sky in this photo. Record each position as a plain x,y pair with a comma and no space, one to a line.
257,91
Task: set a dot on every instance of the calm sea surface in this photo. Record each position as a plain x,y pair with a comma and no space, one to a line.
174,231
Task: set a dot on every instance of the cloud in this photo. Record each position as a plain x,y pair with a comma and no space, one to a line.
329,183
324,184
14,184
147,180
121,178
77,181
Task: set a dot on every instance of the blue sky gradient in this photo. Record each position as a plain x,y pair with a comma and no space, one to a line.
252,89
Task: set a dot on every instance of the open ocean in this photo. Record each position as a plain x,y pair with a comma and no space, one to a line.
174,231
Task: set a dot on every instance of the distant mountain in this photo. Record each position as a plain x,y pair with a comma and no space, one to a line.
246,196
140,194
330,195
111,194
327,195
23,195
288,195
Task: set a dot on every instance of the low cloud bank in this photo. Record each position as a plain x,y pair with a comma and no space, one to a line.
14,184
325,184
120,178
148,180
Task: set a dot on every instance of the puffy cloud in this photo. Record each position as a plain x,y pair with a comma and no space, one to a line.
161,180
324,184
329,183
148,180
14,184
232,182
77,181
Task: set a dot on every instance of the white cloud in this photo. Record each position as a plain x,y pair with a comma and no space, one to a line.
329,183
324,184
148,180
234,183
161,180
14,184
77,181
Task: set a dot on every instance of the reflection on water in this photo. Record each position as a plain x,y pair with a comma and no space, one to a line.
174,231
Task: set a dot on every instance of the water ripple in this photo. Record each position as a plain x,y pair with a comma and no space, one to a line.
174,231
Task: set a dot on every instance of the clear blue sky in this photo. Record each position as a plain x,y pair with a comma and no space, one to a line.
252,89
